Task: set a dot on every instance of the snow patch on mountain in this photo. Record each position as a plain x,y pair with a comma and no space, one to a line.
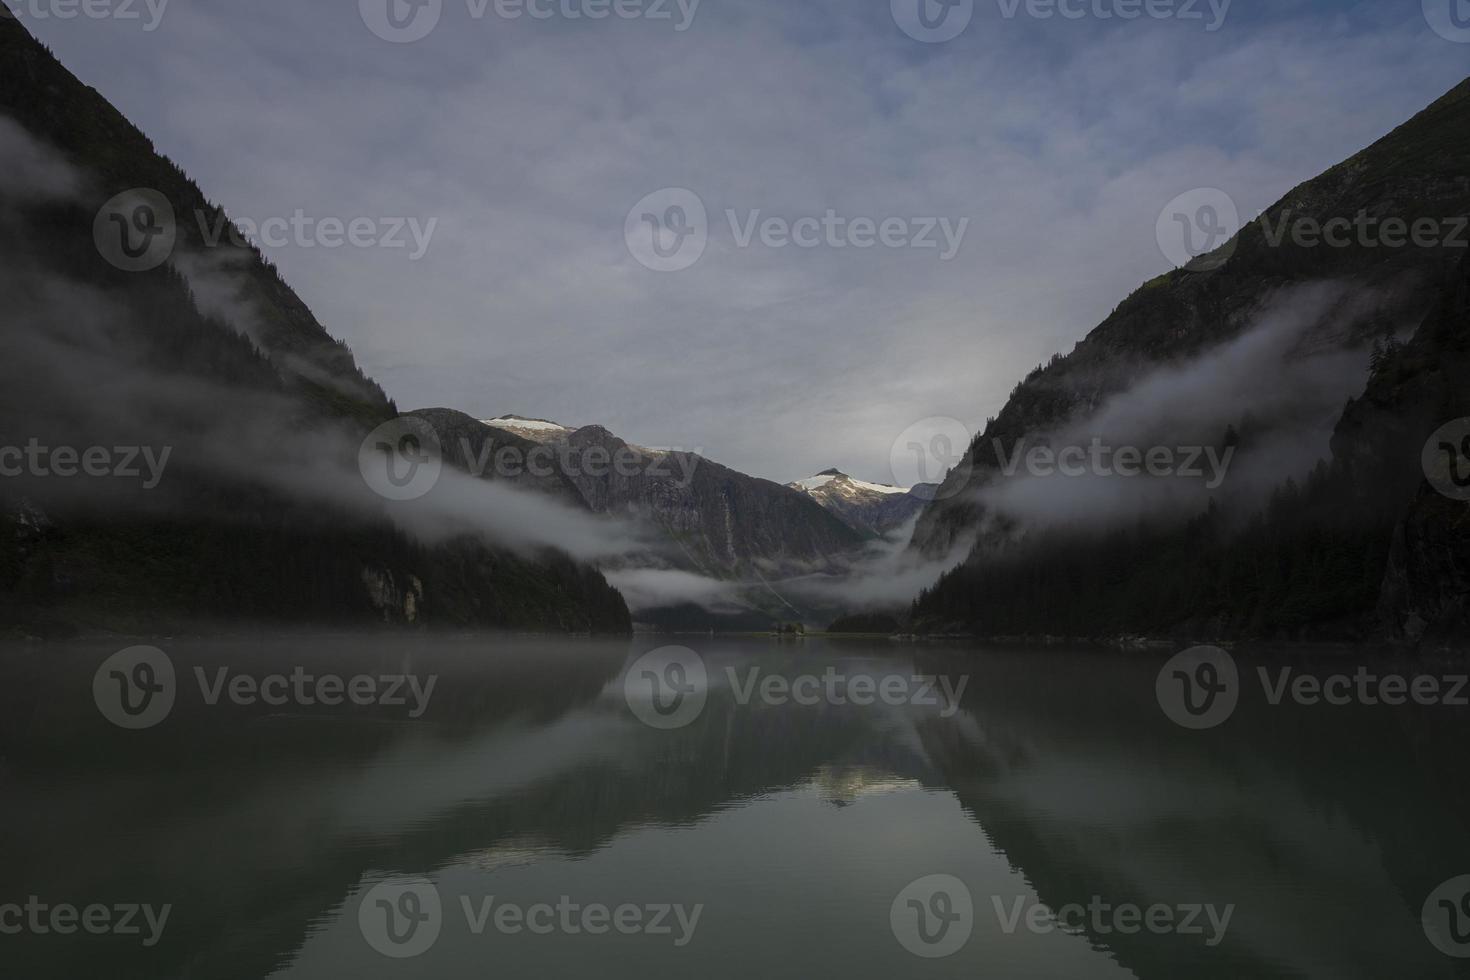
870,508
539,430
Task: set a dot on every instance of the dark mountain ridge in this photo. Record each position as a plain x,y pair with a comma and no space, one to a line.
210,358
1364,547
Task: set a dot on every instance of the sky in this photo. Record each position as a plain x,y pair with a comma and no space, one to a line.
949,210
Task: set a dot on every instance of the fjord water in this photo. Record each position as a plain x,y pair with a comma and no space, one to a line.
793,828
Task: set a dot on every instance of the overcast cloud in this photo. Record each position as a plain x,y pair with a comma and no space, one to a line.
530,140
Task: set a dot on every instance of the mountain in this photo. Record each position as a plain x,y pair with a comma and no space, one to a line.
868,508
1352,542
716,521
699,545
536,430
200,359
1425,590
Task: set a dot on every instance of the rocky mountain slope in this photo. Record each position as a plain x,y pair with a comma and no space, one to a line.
720,522
209,358
868,508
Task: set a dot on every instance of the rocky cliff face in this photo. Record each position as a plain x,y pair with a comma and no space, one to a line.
869,508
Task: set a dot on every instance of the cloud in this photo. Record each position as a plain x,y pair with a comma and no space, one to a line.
531,140
1282,390
31,170
75,376
888,575
653,588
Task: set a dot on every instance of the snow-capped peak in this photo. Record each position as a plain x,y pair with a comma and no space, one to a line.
539,430
827,479
816,482
875,487
517,422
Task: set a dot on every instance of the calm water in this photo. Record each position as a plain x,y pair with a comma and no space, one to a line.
295,841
